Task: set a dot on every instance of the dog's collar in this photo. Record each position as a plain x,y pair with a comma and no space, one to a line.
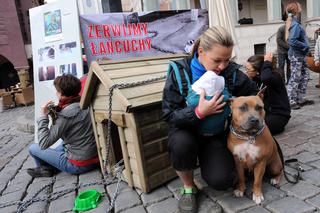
251,138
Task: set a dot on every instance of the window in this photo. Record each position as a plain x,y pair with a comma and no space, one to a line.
260,49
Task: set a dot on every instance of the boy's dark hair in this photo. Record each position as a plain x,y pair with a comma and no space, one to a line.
68,85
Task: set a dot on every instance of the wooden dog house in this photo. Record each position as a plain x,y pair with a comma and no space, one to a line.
136,117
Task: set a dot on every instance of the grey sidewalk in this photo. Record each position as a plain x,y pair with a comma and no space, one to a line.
300,140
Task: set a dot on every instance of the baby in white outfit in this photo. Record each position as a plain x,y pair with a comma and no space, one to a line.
210,82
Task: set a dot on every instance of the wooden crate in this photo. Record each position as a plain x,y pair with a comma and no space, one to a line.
136,113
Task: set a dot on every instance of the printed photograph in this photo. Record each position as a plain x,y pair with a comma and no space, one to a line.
52,23
68,69
46,53
46,73
67,49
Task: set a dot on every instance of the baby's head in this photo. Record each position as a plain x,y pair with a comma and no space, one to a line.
215,72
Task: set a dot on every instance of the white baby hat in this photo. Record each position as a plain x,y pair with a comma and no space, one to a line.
210,82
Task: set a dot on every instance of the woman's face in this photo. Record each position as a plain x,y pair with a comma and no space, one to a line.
215,59
250,71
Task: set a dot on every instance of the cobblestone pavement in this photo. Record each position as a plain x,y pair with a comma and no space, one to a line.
300,140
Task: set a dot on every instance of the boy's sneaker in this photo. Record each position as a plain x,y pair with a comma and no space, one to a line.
295,106
306,102
188,200
41,171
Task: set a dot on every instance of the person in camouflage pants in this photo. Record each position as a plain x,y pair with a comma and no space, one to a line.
297,86
298,49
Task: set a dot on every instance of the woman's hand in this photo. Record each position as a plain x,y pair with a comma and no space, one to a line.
317,63
44,108
212,106
268,57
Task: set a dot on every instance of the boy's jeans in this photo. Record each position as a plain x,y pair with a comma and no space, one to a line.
56,158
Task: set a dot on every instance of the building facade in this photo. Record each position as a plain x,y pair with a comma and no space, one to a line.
257,37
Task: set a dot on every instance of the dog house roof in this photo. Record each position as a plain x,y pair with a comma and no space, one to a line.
104,74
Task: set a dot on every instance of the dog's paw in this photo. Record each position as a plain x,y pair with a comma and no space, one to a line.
257,198
238,193
274,182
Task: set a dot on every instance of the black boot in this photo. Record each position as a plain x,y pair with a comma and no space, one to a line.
42,171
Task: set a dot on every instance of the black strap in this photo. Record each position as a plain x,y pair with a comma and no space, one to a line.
287,162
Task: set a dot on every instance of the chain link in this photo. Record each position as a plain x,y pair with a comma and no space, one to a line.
107,178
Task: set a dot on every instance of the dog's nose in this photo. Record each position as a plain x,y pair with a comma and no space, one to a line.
253,121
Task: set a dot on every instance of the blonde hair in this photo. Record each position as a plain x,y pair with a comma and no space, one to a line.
292,9
213,35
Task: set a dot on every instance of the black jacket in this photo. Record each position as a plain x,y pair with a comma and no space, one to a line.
276,99
179,115
282,45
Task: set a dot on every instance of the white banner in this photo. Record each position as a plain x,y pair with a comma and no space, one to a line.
56,47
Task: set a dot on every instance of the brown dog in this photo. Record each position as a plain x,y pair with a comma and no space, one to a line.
252,145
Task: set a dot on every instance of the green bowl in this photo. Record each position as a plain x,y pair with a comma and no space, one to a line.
87,200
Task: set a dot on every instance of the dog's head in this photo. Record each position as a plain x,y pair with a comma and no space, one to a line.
248,113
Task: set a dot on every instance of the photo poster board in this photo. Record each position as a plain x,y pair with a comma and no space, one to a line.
135,34
56,48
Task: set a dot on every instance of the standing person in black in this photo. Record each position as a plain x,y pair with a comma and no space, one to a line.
211,52
282,49
276,102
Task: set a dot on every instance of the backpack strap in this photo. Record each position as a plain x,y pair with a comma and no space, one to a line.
180,69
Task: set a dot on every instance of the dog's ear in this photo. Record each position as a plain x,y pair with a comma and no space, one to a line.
261,92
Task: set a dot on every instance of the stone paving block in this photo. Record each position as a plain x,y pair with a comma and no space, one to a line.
290,151
10,197
215,194
312,176
199,182
69,181
99,188
64,204
169,205
90,177
255,209
15,187
315,201
315,164
123,187
155,196
270,193
9,209
174,185
301,190
41,180
2,187
38,207
302,134
231,204
21,177
207,205
293,141
137,209
35,187
6,175
306,157
127,199
311,147
289,205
